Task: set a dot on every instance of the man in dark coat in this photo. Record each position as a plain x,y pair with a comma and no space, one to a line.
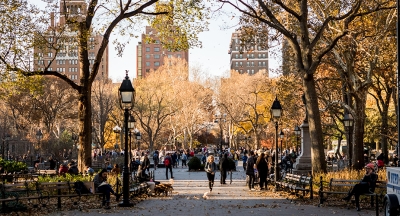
224,167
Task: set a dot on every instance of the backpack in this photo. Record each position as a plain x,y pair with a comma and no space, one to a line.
184,157
80,188
167,162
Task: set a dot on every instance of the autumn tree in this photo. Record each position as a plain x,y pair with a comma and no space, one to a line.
24,28
312,19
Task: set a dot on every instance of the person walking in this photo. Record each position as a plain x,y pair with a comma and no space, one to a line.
244,159
155,159
168,165
250,170
262,167
184,159
224,167
210,167
367,185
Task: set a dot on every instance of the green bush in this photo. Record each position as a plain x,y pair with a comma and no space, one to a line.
66,178
194,164
13,166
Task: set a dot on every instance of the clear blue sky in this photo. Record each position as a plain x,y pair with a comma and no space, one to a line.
212,58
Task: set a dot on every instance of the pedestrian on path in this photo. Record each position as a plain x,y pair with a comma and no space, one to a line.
244,159
224,167
210,168
262,167
168,165
250,170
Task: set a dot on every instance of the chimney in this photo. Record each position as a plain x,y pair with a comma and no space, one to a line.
52,19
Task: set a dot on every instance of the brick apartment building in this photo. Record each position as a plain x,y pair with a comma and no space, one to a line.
67,59
250,59
150,56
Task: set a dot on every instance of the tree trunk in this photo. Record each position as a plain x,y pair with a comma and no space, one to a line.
314,121
359,122
85,129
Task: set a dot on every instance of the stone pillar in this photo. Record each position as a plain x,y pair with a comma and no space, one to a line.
303,162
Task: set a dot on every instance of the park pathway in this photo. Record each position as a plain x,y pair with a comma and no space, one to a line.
231,199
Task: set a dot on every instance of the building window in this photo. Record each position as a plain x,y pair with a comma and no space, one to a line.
147,56
147,49
237,56
252,71
252,64
148,64
50,54
248,71
178,55
264,55
240,63
156,63
157,42
241,56
236,64
264,63
248,64
147,70
156,49
241,71
156,56
169,55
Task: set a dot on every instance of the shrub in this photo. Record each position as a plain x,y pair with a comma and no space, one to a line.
194,163
13,166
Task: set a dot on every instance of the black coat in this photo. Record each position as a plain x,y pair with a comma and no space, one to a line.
224,164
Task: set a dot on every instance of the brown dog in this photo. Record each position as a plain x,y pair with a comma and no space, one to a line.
163,189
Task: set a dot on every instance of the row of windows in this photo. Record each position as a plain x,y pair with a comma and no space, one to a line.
73,77
155,64
248,71
157,56
252,55
42,69
72,69
238,48
156,49
250,64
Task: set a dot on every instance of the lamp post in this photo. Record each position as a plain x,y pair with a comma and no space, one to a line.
297,132
218,119
276,112
348,123
127,98
39,136
131,125
138,137
281,135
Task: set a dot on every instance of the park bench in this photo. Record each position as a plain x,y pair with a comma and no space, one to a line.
13,194
343,186
299,185
47,172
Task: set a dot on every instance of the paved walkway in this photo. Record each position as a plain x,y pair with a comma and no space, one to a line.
231,199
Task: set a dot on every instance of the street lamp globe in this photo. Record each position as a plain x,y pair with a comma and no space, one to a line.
276,109
131,122
126,93
281,135
297,130
39,135
348,120
117,129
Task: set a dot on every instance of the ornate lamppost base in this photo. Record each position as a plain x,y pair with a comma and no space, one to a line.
123,204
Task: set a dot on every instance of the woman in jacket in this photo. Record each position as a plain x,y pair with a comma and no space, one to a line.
210,168
262,167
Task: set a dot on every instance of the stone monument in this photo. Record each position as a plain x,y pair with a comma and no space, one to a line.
303,162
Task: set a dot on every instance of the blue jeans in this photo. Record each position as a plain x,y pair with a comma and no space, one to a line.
106,190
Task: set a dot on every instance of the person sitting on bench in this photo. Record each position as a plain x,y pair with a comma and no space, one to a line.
101,185
367,185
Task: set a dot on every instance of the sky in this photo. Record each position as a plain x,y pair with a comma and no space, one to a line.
212,58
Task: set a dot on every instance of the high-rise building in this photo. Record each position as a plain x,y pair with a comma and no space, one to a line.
66,60
248,56
151,54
